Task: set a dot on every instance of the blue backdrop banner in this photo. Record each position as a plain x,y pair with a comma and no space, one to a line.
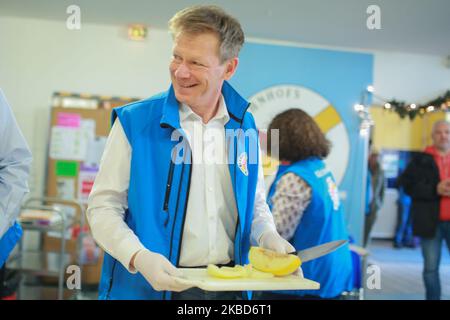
325,83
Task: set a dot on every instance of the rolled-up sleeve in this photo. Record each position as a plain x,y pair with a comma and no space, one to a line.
15,162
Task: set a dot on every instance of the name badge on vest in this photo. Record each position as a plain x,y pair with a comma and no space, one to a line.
242,163
334,193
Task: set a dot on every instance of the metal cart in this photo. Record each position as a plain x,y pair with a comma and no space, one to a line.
37,262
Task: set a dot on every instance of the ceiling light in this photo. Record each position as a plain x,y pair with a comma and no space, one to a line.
137,32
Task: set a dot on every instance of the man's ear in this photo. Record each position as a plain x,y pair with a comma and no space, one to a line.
231,66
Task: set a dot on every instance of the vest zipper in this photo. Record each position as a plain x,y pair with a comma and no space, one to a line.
238,226
184,215
168,189
237,206
184,218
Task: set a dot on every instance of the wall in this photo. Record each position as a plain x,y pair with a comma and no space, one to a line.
39,57
392,132
413,78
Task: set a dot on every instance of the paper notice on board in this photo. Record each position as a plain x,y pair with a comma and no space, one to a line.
65,188
64,168
86,179
88,128
67,143
95,148
66,119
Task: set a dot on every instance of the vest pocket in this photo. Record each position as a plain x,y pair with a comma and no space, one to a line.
168,189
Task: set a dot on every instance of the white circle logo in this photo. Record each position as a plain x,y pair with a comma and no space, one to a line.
266,104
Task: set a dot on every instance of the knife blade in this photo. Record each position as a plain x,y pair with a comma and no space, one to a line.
320,250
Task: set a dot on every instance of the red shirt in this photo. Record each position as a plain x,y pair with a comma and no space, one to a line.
443,163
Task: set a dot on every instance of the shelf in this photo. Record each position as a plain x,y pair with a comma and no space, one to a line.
41,292
46,267
39,263
55,227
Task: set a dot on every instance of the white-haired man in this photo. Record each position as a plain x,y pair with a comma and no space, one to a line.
427,181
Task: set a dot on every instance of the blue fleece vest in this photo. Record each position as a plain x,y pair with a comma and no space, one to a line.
159,187
322,221
8,241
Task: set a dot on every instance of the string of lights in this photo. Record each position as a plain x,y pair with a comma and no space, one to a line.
403,109
441,103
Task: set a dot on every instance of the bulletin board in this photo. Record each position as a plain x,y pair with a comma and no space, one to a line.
77,138
70,119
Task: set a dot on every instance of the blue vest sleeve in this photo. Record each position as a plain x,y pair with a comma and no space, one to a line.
9,241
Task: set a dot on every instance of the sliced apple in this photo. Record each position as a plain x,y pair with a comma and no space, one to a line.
226,272
237,271
273,262
256,274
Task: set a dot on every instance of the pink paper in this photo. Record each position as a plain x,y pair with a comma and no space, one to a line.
64,119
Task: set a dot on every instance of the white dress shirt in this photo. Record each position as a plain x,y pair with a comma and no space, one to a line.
211,198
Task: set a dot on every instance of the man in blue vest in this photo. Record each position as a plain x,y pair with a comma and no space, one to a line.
180,181
15,161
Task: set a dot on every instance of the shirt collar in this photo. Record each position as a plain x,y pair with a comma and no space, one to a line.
222,113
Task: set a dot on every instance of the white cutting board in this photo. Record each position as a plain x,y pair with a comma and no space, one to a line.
200,278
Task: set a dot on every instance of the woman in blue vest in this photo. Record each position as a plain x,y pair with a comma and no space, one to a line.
304,200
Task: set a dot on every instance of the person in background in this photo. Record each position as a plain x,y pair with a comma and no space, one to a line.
306,207
427,180
152,212
375,194
403,231
15,162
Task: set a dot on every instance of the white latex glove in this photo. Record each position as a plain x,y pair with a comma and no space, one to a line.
158,271
273,241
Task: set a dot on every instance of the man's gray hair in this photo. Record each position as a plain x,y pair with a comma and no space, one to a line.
438,123
208,18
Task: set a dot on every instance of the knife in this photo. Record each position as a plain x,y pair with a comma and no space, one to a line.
319,251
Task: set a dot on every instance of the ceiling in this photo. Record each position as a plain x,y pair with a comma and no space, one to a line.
415,26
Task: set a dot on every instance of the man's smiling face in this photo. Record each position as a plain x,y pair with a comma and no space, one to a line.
196,70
